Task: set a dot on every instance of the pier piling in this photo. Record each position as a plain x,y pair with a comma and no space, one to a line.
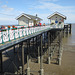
41,57
44,46
1,65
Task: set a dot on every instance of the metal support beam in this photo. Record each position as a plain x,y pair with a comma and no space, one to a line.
70,28
48,47
36,41
38,54
59,58
14,49
22,59
33,45
28,68
1,65
41,61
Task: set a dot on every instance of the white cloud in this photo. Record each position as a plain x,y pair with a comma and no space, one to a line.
52,7
7,2
6,8
47,0
7,21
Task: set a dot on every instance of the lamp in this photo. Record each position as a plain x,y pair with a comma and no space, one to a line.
36,17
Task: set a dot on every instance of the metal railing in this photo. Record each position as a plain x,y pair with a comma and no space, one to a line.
12,34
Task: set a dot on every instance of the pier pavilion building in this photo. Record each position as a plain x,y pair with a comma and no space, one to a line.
57,18
28,20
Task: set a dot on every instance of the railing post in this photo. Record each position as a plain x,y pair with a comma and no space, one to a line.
26,32
2,38
22,33
9,34
18,33
14,34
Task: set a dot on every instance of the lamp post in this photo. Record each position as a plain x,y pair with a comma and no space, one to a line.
36,19
36,16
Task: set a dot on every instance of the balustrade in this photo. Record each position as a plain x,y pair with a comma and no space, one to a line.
10,34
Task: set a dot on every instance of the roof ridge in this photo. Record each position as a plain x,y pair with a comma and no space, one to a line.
58,14
29,16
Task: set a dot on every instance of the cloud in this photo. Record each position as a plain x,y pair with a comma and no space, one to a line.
7,21
50,8
7,2
47,0
54,7
6,8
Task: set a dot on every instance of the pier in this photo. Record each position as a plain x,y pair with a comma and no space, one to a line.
34,44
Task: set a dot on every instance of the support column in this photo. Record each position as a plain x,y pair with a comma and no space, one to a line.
66,30
28,68
1,65
70,29
41,61
44,38
14,49
59,58
22,59
48,47
63,32
38,54
29,48
49,56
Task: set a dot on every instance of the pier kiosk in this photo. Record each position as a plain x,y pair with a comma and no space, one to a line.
57,18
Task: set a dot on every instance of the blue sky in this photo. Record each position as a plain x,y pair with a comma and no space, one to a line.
10,9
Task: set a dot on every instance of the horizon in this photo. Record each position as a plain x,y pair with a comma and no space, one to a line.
11,9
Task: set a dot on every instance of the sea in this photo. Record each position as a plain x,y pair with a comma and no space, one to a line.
70,39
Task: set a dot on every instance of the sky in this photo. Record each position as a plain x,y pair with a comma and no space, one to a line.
10,9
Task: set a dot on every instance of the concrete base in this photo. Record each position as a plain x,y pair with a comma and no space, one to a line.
51,55
45,53
20,69
28,71
39,59
59,61
41,71
16,73
29,60
48,60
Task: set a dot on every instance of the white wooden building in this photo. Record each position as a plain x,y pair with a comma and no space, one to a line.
28,20
56,18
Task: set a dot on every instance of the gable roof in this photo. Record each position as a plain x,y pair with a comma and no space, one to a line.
56,13
29,16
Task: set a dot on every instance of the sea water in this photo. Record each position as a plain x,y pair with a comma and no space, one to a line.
70,39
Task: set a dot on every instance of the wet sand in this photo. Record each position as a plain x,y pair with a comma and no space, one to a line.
67,66
68,59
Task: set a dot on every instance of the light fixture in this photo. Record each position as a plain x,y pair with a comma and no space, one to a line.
36,16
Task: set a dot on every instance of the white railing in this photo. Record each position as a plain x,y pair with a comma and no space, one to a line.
57,26
10,34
